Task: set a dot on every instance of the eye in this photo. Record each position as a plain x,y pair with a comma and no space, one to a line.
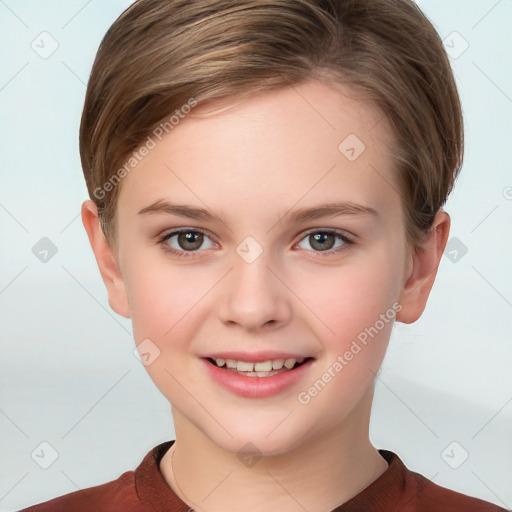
183,241
324,241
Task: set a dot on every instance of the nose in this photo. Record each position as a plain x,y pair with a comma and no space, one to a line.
254,297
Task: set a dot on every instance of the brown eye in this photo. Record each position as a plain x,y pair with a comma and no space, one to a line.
190,241
186,241
322,241
325,241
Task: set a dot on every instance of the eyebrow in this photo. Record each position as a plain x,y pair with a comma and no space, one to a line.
300,215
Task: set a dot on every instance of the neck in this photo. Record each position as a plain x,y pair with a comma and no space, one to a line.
317,476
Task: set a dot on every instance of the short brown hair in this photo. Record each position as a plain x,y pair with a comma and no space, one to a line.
161,53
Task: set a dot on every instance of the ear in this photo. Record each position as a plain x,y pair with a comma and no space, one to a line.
106,260
423,270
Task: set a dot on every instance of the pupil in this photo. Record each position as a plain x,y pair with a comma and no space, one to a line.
195,239
321,238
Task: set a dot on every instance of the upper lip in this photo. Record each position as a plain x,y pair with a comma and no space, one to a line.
255,357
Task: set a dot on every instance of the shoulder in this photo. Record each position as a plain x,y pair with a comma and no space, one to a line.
432,497
426,496
401,490
119,494
134,491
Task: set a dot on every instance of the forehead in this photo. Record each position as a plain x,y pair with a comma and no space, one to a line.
305,143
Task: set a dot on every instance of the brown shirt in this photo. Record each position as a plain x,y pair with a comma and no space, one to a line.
144,490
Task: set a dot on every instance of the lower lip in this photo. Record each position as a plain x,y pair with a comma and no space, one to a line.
256,387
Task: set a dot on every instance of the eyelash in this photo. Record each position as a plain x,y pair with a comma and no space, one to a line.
348,242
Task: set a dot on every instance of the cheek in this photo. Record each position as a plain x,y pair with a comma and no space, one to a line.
359,312
350,298
166,304
356,306
168,301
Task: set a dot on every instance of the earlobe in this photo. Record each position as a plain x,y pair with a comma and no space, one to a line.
425,262
106,260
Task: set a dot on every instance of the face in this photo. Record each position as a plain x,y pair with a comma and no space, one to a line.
227,252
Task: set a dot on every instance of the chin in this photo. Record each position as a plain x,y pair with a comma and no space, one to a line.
264,438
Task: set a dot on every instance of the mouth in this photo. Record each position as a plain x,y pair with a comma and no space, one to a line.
258,374
267,368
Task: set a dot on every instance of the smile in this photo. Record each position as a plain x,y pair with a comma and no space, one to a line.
257,379
262,369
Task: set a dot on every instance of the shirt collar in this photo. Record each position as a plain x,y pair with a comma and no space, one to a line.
383,494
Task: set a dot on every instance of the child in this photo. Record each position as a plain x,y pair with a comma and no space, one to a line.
267,181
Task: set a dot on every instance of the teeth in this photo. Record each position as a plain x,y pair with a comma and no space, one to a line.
264,366
244,367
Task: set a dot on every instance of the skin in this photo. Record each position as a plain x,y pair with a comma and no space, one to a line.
251,163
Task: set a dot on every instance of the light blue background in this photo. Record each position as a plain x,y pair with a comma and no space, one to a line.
68,375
